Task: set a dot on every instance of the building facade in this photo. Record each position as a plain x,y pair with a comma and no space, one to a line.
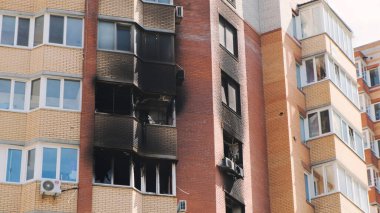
180,106
367,63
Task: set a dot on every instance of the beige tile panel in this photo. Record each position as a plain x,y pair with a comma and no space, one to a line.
325,93
43,58
317,95
314,45
8,63
33,6
334,203
12,126
10,203
53,124
121,199
33,201
17,5
118,8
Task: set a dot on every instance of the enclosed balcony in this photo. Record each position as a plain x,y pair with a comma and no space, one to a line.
317,17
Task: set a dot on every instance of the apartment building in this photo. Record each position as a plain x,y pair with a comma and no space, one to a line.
179,106
367,63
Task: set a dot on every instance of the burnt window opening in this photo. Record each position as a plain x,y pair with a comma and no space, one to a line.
155,111
165,172
230,93
112,98
233,206
233,149
137,173
154,46
112,167
150,177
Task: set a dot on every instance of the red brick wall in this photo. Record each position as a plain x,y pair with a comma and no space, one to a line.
88,108
196,168
256,110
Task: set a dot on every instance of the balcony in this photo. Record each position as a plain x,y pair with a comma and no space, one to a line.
232,122
127,133
159,140
150,77
331,148
117,132
335,202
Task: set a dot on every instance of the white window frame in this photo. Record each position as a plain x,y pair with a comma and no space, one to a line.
13,80
304,71
318,111
133,41
43,91
47,29
31,30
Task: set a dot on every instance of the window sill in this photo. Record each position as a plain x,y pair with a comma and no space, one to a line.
40,45
229,53
15,46
158,3
231,110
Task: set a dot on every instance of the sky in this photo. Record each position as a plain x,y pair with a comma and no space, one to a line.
362,16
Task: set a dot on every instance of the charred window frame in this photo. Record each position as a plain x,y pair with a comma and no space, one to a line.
154,46
113,98
158,177
233,148
112,168
231,93
228,36
232,205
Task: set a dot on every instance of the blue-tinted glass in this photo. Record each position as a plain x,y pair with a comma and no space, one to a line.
30,164
123,38
69,159
56,29
8,30
5,93
49,163
53,88
71,95
307,187
14,165
106,35
298,70
23,32
19,95
74,32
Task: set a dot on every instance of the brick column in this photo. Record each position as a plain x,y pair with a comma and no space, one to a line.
88,108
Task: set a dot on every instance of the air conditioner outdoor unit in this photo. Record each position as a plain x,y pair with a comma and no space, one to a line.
182,206
229,163
239,170
178,14
50,187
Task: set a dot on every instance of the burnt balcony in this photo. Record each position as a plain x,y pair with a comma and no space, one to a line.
117,131
125,132
150,77
159,140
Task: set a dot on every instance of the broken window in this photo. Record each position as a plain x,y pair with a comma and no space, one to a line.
112,167
233,206
233,149
165,171
150,177
112,98
137,173
155,111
